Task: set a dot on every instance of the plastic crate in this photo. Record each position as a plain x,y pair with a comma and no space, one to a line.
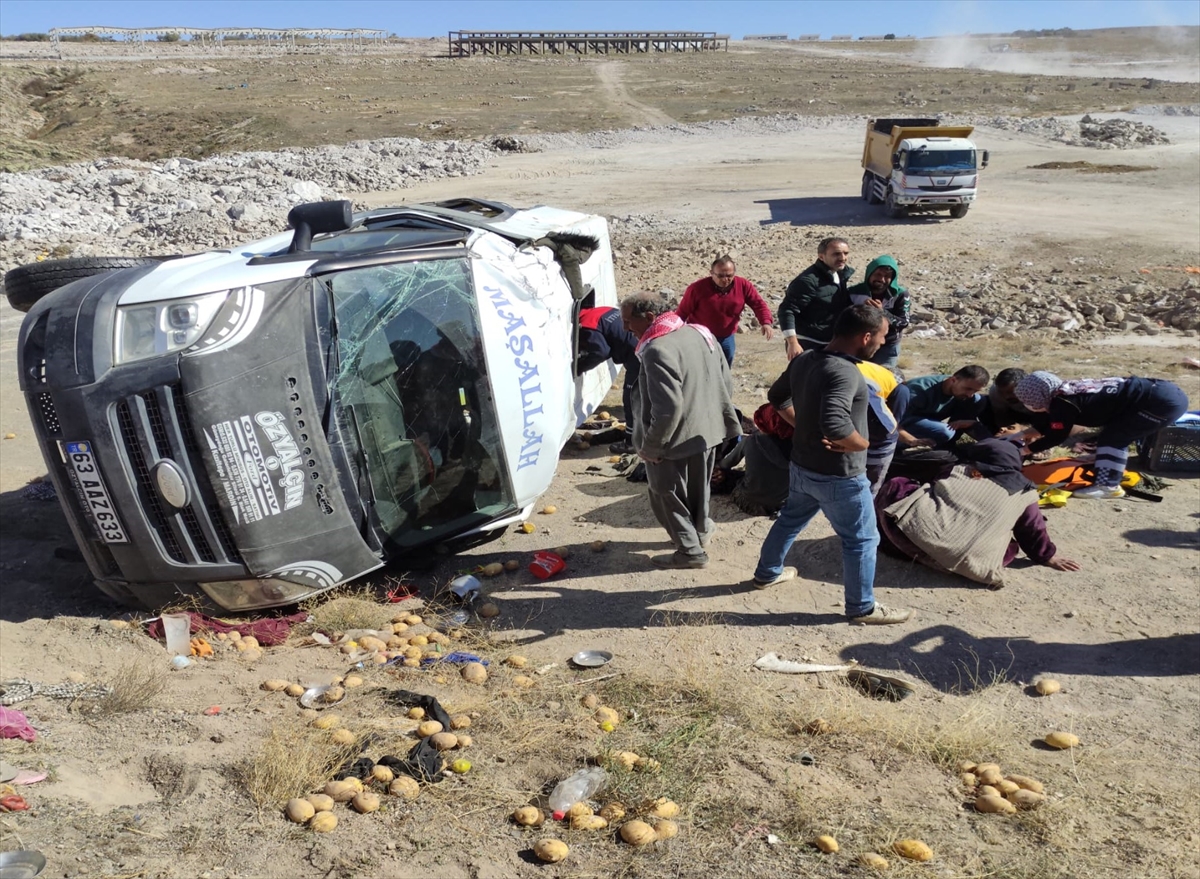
1176,448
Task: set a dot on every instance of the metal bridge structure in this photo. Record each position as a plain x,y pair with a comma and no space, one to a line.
465,44
291,39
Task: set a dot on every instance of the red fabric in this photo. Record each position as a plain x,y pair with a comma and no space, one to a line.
707,306
669,323
268,632
768,420
589,318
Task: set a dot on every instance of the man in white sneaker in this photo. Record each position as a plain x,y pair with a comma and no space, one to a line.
829,462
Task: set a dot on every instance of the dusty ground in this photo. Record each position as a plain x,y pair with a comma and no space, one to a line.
162,790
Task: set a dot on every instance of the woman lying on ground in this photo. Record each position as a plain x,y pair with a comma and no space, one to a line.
972,520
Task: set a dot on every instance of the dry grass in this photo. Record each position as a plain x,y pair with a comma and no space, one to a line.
136,685
292,761
346,608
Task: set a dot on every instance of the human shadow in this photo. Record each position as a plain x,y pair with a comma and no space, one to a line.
839,210
951,659
42,571
1159,537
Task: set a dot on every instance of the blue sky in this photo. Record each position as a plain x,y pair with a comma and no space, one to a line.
426,18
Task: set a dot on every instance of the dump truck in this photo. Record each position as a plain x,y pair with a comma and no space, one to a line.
920,165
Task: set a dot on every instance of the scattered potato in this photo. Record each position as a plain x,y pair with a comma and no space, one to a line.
460,721
990,776
341,791
827,844
981,768
464,741
416,714
819,727
404,787
1047,686
612,813
873,861
252,655
638,833
413,619
352,681
986,790
524,681
411,662
474,673
428,728
299,810
294,690
326,721
516,661
418,641
1006,787
444,741
1026,799
274,685
614,459
603,416
590,701
323,822
489,609
495,569
333,694
604,714
966,766
551,850
549,510
665,829
995,804
597,546
578,810
383,774
563,552
412,652
625,758
664,808
527,528
512,565
399,628
968,779
365,802
320,802
1062,740
913,849
588,822
529,816
344,737
1026,783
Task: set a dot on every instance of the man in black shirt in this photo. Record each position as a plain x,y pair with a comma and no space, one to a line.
829,462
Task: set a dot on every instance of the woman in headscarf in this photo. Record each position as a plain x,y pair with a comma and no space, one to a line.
1128,409
972,520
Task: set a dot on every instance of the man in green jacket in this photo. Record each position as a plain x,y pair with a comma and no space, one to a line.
807,312
881,289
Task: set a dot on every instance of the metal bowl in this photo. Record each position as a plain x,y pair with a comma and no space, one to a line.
314,697
21,864
591,658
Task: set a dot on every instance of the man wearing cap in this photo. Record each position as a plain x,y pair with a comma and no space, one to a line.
717,302
1127,409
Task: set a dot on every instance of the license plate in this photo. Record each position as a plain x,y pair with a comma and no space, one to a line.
94,493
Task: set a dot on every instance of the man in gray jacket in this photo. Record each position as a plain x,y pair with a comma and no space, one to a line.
684,410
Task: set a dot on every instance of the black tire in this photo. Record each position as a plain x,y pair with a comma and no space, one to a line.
893,210
27,284
959,211
869,189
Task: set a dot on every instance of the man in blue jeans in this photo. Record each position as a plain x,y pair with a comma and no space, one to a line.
941,407
829,462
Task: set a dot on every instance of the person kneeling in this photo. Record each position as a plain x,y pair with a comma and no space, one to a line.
973,520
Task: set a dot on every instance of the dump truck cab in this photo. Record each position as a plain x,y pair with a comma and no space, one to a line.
920,165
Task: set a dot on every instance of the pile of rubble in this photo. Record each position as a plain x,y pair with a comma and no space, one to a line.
1118,134
124,206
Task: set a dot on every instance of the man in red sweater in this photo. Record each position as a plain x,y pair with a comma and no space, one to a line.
717,302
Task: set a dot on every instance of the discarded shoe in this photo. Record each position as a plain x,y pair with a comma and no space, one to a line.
788,573
882,616
880,686
679,560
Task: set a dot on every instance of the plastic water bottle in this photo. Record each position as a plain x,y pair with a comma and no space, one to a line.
576,788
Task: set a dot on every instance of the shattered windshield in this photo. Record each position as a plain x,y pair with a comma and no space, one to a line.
945,161
412,373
